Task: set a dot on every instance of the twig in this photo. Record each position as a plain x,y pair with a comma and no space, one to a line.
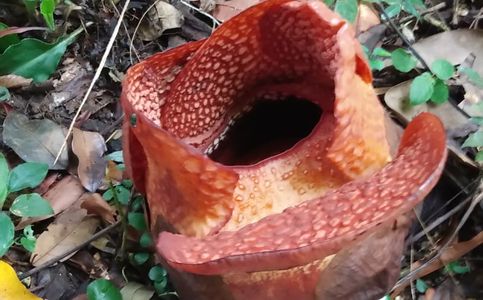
67,253
95,78
391,24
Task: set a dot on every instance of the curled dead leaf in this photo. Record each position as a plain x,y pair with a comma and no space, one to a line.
96,205
161,17
89,147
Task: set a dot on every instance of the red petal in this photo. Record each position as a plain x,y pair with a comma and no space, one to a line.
321,226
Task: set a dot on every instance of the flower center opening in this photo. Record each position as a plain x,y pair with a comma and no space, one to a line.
268,128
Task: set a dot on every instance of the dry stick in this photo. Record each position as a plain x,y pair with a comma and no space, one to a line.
401,35
96,77
414,273
67,253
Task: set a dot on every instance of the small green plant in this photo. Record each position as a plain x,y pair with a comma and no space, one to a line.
47,8
375,57
349,9
456,267
24,176
102,289
432,84
421,286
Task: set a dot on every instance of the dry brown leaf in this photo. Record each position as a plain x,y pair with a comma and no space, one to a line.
161,17
225,10
96,205
462,41
47,183
366,18
89,147
63,195
35,140
14,81
368,268
113,172
70,229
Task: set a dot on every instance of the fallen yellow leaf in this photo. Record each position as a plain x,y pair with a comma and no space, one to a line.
10,287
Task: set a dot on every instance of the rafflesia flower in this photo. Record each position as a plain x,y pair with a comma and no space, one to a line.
262,150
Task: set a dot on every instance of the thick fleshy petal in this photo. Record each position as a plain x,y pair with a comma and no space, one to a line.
321,226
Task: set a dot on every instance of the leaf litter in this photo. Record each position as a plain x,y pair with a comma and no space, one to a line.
58,98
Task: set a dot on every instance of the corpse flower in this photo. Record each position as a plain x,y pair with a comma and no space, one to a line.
262,150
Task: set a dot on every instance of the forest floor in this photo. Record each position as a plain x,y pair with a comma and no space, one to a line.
59,105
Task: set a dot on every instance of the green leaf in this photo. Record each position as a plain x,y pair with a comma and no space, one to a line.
3,179
4,94
137,221
145,240
127,183
421,286
116,156
329,3
108,195
402,60
137,203
457,268
7,40
31,205
27,175
474,140
140,258
122,194
160,286
440,93
479,156
477,120
410,8
7,233
28,239
347,9
443,69
102,289
473,76
378,51
393,10
157,273
376,64
32,58
421,89
47,8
